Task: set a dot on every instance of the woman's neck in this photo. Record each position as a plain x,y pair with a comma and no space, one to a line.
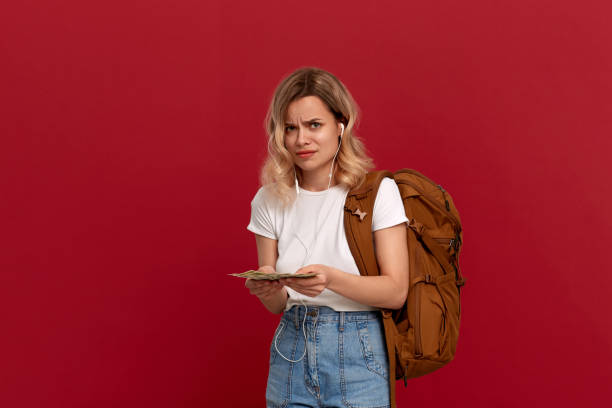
316,182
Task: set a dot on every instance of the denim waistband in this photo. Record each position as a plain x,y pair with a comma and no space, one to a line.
325,313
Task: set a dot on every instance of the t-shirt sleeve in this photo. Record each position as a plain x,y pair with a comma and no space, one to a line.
388,206
261,216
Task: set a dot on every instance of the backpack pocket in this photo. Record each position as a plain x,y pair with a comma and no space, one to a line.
430,325
447,288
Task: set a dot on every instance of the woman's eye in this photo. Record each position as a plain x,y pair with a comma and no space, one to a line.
290,128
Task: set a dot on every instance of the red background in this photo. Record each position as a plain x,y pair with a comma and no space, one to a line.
131,138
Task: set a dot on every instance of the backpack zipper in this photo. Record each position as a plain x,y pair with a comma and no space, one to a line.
444,196
444,241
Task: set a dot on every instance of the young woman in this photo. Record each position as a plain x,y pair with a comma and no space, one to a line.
328,349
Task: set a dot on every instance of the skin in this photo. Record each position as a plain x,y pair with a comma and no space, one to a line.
386,291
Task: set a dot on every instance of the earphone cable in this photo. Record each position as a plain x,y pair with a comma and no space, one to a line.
331,171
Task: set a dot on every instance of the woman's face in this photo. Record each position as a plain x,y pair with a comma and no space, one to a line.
311,127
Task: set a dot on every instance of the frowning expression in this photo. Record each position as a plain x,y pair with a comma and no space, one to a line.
311,133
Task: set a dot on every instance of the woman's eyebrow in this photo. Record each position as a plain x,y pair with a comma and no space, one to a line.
306,121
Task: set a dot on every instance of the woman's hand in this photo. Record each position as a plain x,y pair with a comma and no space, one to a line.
263,288
311,286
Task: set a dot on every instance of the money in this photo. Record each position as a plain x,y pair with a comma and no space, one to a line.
256,275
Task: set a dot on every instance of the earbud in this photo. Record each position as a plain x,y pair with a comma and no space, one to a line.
342,131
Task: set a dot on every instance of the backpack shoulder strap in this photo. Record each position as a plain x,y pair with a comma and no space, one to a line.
358,211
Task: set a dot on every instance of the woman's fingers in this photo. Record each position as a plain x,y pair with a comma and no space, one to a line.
262,287
307,286
311,286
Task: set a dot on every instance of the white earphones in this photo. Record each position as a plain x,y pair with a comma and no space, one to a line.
308,255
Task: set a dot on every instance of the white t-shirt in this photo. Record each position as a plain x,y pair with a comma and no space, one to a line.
294,229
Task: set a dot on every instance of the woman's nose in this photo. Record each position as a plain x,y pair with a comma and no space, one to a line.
302,136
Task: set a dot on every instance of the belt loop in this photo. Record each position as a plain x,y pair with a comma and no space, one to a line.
296,316
341,328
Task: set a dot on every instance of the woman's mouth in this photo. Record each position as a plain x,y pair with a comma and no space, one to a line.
306,155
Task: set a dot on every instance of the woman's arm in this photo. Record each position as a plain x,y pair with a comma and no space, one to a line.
271,293
386,291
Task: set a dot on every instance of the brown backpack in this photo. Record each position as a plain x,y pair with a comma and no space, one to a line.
422,335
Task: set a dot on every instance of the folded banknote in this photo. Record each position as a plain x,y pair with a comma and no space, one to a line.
256,275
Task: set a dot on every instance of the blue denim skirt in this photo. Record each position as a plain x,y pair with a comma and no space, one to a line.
345,360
